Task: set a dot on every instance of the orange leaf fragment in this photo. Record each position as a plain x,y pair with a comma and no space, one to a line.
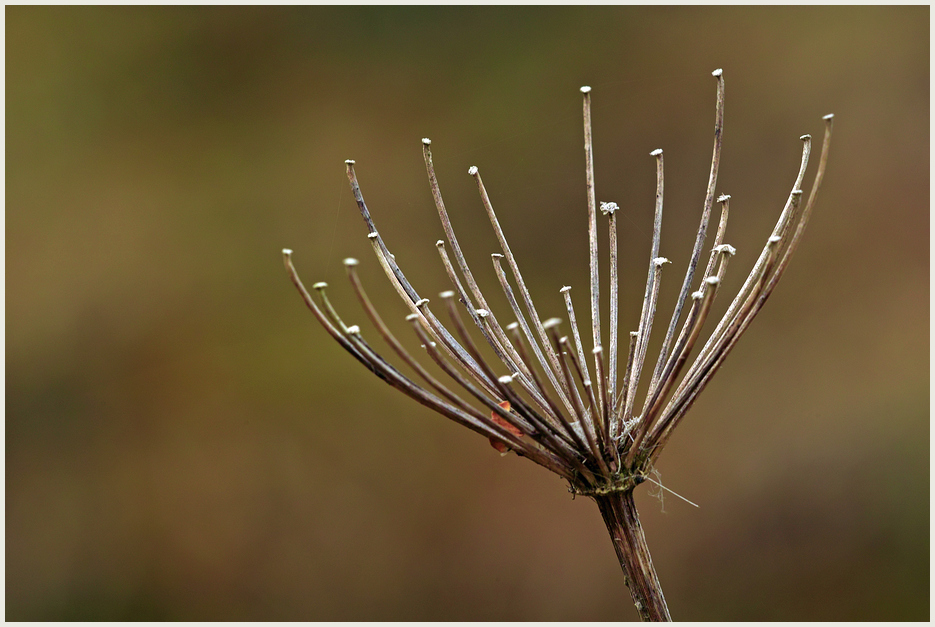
497,443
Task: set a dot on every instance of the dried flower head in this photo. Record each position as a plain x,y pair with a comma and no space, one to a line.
543,398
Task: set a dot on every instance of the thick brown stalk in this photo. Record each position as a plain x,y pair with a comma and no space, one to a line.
623,523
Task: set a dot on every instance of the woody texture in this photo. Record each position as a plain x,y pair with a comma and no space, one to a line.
554,395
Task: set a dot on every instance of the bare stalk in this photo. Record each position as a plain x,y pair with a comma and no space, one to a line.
623,524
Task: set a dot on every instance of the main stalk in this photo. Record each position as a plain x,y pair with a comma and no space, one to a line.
623,524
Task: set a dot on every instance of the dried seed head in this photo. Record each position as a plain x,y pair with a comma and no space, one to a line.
595,438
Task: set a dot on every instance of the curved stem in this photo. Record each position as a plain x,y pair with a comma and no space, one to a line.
623,524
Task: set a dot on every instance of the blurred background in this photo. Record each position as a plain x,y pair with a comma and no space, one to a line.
183,441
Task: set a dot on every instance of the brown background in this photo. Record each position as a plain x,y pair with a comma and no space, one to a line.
184,442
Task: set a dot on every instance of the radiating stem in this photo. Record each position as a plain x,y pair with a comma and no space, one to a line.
520,283
646,327
592,219
702,228
573,323
550,373
781,226
622,401
609,209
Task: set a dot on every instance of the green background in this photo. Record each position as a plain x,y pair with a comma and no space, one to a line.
183,441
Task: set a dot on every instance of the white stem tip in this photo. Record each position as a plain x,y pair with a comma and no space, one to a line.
656,152
440,243
350,261
712,280
507,378
585,89
287,251
412,317
483,313
609,207
551,322
349,161
723,198
805,137
426,141
373,235
567,288
320,285
353,330
512,325
422,301
446,294
726,248
828,117
659,261
597,350
472,170
716,73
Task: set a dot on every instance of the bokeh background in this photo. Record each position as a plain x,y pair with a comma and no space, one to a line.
183,441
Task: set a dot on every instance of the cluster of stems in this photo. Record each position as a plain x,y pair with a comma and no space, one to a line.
543,398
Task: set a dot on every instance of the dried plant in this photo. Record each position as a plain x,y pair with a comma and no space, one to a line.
587,426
